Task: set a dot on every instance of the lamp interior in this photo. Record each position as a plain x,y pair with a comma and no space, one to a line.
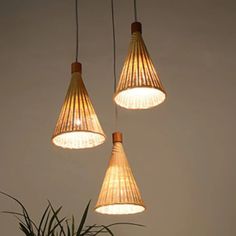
140,98
120,209
78,139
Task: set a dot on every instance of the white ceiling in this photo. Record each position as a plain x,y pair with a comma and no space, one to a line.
182,152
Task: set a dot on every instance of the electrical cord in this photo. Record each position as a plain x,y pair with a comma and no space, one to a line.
114,57
135,11
77,30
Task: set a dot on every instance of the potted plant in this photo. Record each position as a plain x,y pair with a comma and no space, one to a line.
51,224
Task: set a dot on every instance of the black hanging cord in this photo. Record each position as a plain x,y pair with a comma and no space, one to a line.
114,44
114,56
135,11
77,30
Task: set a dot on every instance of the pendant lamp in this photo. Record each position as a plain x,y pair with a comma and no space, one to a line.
139,86
77,126
119,193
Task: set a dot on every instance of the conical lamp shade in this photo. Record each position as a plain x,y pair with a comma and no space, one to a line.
77,126
139,86
119,194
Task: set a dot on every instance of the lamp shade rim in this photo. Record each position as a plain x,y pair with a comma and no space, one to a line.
139,208
130,89
102,137
143,86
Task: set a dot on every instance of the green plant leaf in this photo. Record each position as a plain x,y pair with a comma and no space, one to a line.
20,221
62,231
24,229
88,230
101,230
108,230
73,226
125,223
52,219
83,219
68,229
25,213
19,214
42,219
16,214
55,226
46,223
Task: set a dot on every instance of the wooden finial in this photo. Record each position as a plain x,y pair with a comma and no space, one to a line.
117,137
136,27
76,67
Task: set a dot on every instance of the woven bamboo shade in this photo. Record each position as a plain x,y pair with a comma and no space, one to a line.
77,126
139,86
119,193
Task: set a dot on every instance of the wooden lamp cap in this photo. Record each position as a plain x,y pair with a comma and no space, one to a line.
117,137
136,27
76,67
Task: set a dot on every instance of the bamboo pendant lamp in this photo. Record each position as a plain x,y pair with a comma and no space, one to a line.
139,86
77,126
119,193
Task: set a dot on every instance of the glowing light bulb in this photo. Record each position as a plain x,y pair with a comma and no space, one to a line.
78,122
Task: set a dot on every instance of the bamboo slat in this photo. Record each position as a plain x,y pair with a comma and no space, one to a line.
139,86
77,126
119,193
